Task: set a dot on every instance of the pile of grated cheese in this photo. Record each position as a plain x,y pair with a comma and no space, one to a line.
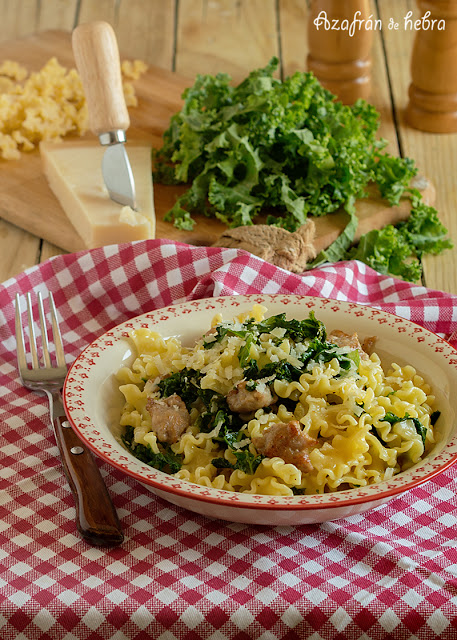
48,104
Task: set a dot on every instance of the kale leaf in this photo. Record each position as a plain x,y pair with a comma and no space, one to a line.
245,350
318,351
322,352
186,384
388,251
165,461
396,250
281,370
245,461
229,435
298,330
420,429
220,332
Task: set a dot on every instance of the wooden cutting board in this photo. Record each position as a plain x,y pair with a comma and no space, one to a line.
27,201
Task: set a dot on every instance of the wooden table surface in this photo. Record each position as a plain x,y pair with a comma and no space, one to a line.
236,36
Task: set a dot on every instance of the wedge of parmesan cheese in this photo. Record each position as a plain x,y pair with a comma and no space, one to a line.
73,171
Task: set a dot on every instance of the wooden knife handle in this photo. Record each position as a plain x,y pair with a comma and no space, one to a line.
97,60
96,517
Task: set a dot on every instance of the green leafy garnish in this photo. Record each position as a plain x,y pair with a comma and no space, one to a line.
323,352
388,251
165,461
318,351
220,332
186,384
289,149
297,330
245,461
396,250
281,370
420,429
245,350
229,436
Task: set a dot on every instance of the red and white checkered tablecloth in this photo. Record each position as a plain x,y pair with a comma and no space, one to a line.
390,573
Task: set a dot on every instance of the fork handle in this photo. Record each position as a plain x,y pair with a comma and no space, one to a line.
96,517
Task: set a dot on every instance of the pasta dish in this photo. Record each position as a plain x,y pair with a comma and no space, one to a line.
271,406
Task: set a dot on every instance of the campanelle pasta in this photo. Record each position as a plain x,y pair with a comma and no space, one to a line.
266,405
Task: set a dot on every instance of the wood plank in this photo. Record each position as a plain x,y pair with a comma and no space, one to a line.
49,250
19,18
19,250
380,93
234,36
434,154
293,29
146,31
57,14
99,10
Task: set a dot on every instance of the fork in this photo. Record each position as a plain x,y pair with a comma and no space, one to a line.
96,517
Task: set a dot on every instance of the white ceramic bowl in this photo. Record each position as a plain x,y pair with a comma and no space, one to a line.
92,402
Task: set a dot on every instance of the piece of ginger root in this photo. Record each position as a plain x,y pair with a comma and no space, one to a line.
285,249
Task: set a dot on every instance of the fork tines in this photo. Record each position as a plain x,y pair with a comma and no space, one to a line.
57,339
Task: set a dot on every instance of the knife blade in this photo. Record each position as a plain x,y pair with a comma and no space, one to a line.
118,175
97,61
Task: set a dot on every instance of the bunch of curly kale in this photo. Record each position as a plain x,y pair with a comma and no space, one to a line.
290,147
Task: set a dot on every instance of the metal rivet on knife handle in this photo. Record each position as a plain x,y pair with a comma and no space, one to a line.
77,450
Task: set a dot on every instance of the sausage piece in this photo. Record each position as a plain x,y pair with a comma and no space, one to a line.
368,344
170,417
286,441
241,400
342,339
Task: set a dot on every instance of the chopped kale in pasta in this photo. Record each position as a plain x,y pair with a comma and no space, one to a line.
273,406
245,461
164,460
420,429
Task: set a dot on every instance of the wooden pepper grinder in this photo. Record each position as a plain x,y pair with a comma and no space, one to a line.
432,103
340,47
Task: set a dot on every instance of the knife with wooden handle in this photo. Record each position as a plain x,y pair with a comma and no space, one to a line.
97,60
